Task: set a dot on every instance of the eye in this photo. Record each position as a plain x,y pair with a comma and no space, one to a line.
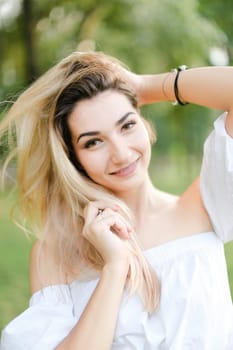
128,125
92,143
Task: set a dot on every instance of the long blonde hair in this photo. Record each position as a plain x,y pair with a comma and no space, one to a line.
53,188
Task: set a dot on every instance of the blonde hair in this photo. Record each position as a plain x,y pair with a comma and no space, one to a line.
53,188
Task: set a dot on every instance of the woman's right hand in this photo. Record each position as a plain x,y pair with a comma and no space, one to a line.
108,232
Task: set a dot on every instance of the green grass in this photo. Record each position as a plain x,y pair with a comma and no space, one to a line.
15,249
229,258
14,262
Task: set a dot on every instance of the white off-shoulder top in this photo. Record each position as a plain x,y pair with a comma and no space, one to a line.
195,312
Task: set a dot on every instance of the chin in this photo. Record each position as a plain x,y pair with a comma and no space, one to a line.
129,187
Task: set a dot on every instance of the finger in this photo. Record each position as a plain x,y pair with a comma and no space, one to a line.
116,223
119,228
116,214
108,216
95,208
104,205
90,212
100,212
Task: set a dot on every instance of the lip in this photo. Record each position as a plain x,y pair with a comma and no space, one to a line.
126,171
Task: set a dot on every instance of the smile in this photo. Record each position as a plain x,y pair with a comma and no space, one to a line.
126,171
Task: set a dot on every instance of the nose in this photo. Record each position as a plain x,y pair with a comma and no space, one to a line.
120,152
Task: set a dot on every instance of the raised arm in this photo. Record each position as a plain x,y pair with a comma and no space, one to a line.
96,327
207,86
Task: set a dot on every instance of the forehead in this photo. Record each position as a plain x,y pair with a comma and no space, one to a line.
99,111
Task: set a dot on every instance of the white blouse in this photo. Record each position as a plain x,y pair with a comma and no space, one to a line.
196,311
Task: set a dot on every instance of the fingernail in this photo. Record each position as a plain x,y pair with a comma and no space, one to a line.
116,207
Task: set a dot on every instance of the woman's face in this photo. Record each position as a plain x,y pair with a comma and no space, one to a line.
110,141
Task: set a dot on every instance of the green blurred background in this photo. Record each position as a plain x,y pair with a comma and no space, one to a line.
149,36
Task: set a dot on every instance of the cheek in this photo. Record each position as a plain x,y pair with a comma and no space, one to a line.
92,163
144,139
145,146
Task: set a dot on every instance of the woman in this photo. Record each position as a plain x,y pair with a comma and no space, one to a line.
119,264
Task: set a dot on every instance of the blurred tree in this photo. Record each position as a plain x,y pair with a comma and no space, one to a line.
220,14
149,34
28,41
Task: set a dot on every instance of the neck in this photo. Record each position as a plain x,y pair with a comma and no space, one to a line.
140,200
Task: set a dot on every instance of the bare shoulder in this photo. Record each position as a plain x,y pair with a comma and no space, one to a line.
169,198
193,205
192,195
165,199
44,270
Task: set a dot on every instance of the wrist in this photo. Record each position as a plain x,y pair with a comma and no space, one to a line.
156,88
118,268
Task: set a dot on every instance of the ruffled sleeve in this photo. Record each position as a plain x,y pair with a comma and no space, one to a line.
216,180
44,324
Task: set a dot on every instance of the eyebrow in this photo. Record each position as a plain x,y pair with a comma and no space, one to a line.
94,133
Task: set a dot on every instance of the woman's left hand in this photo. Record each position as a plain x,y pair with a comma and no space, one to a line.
135,82
149,88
